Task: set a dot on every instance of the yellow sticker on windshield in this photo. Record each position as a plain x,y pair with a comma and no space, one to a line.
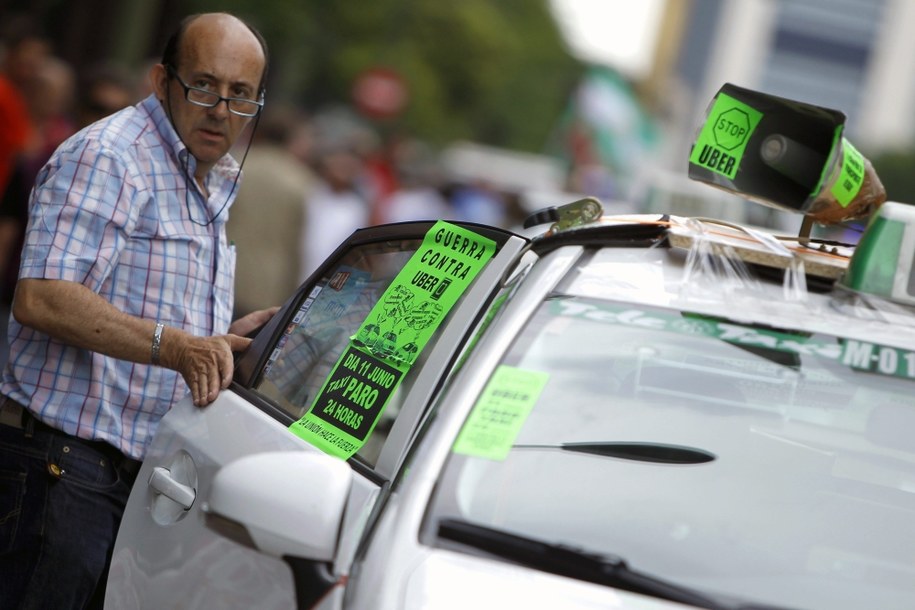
501,410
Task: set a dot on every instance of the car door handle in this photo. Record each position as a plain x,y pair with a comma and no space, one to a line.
162,482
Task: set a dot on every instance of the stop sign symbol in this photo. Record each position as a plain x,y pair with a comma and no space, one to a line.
731,128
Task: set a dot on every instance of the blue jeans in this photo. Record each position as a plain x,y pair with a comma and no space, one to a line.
61,500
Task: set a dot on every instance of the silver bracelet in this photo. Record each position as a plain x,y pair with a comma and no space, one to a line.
157,342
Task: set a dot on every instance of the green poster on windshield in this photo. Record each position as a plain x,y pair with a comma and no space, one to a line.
391,337
499,413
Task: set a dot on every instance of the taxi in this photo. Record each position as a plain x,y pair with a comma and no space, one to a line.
644,412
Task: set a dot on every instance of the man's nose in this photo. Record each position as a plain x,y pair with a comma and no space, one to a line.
221,109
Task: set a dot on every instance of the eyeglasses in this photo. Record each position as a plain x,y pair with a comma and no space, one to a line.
211,99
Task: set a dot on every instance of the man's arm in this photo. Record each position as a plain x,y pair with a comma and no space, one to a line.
73,314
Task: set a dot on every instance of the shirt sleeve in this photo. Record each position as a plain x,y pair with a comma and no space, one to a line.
82,211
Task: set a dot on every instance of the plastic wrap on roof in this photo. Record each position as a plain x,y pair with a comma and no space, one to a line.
716,261
721,261
871,307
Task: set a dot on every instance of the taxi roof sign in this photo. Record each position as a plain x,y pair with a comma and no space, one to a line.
785,154
883,259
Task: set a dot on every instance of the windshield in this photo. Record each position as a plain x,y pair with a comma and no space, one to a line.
770,465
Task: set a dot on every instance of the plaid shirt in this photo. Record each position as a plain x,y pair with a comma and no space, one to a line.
110,211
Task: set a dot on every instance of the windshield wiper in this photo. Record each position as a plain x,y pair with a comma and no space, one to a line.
572,562
656,453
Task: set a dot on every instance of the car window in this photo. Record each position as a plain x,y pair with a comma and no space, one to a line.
325,320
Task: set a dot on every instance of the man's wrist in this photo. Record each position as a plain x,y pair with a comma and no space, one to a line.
156,343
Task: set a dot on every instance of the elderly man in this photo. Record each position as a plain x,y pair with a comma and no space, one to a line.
124,303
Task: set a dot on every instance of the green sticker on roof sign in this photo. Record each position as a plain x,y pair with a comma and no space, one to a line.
724,136
499,413
851,176
387,343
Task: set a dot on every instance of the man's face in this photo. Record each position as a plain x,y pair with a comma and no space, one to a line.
220,56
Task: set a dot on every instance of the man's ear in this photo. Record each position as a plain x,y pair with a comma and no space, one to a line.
158,78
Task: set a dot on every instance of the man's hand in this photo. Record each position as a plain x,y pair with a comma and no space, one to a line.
206,363
254,320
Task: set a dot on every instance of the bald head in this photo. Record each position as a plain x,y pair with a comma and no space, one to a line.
196,35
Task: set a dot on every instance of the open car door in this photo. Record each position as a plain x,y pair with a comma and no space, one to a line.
367,301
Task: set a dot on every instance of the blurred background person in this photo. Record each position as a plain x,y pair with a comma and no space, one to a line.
105,88
36,96
478,201
337,206
50,96
23,49
419,178
268,218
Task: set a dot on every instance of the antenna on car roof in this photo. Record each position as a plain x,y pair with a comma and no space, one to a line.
566,216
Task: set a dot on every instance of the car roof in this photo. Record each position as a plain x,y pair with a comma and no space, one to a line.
716,268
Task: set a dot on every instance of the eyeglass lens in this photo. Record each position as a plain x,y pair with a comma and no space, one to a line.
210,99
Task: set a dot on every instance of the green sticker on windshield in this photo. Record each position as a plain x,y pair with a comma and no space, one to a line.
851,176
724,136
499,413
388,341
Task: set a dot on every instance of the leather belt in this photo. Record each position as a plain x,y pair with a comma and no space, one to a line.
15,415
12,413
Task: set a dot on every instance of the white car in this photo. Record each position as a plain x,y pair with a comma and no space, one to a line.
642,412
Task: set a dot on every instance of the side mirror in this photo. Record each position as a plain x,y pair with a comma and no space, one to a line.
287,503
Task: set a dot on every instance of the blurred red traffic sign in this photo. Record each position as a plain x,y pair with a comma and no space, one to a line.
380,93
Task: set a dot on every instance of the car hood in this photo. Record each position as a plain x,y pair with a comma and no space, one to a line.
446,580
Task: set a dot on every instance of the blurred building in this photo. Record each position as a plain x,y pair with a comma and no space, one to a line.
850,55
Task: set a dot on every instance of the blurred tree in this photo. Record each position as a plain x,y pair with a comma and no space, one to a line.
495,71
895,171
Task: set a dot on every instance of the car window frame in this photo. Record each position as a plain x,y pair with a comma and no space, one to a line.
250,364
